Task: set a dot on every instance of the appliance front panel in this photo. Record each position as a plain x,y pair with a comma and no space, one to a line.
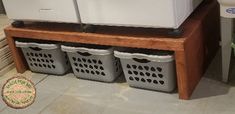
139,13
42,10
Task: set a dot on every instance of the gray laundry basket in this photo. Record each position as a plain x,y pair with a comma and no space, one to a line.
94,63
44,58
148,71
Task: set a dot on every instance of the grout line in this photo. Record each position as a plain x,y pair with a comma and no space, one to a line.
41,80
41,111
56,99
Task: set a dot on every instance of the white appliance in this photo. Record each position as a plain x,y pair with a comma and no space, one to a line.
227,8
227,13
137,13
42,10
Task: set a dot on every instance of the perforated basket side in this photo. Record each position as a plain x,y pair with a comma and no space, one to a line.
94,67
45,58
93,64
148,74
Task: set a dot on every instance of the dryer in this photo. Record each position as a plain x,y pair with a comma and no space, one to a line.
136,13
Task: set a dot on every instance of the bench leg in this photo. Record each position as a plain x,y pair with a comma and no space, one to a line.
182,75
18,57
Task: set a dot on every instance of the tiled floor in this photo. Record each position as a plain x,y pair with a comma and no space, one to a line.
69,95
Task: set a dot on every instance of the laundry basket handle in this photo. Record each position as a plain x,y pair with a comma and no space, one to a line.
36,48
87,51
84,53
141,60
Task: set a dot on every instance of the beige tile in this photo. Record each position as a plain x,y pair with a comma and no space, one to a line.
136,101
89,97
210,88
161,108
221,104
69,104
96,93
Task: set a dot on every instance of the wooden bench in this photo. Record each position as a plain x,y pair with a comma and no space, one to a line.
193,50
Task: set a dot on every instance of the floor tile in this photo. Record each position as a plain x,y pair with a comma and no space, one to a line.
137,101
68,104
210,88
221,104
89,97
83,97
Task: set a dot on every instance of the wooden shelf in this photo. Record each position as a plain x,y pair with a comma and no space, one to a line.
193,50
